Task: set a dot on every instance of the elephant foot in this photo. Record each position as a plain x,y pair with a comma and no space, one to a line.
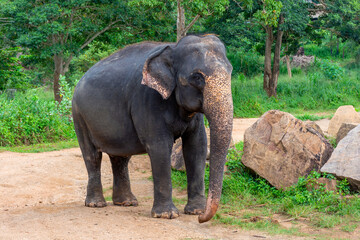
194,211
95,203
169,212
196,208
124,199
127,203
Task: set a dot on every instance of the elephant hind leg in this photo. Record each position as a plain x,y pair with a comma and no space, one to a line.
92,158
122,194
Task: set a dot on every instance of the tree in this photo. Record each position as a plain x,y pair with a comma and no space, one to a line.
186,9
196,9
276,17
57,30
341,17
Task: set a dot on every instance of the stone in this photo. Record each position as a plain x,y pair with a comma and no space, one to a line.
344,114
329,184
302,61
281,148
345,160
177,158
315,126
344,129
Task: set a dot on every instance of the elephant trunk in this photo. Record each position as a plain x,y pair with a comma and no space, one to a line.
218,109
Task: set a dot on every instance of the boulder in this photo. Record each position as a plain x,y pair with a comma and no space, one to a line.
281,148
344,114
177,158
315,126
344,129
345,160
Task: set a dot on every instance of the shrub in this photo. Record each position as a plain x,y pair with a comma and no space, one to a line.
331,70
28,119
245,62
12,74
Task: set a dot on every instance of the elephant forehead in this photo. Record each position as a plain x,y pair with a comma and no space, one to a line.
215,59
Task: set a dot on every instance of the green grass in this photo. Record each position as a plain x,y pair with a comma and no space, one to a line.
250,202
42,147
322,88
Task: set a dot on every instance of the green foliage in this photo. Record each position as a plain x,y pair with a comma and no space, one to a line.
245,62
12,73
331,70
54,27
236,31
95,52
310,117
343,18
269,13
66,93
28,119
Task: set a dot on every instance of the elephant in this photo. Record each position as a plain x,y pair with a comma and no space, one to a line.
140,100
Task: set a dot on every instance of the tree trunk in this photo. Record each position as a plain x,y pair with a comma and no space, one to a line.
58,62
180,23
288,66
267,63
61,67
276,67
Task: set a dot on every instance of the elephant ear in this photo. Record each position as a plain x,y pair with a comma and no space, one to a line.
158,72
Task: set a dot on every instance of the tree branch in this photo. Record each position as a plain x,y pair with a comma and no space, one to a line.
99,33
192,23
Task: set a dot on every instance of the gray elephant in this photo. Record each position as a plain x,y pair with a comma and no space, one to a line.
142,98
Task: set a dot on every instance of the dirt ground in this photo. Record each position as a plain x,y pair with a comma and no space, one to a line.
42,197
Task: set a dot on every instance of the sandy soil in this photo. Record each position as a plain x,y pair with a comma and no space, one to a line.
42,197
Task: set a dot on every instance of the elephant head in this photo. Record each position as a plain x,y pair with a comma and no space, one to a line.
197,71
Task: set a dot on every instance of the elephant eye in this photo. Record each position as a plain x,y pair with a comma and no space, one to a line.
197,80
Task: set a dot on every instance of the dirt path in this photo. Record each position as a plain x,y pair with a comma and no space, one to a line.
42,197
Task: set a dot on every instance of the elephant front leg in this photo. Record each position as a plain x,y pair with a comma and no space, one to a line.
163,206
122,194
194,151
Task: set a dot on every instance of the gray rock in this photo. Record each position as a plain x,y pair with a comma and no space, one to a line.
344,130
345,160
281,148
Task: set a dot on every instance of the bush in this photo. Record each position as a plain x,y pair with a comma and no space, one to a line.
28,119
245,62
331,70
12,74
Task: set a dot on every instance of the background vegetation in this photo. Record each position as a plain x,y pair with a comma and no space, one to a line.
42,40
46,46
